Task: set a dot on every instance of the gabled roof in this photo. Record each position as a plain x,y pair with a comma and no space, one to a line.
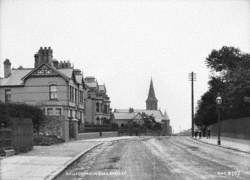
155,113
79,79
15,79
102,88
124,115
49,67
18,76
66,71
91,82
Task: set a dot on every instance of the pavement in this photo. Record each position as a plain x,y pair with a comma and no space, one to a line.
161,158
241,145
46,162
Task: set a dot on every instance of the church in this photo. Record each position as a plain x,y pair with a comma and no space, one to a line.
123,116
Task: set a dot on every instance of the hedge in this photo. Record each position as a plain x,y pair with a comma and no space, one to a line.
22,111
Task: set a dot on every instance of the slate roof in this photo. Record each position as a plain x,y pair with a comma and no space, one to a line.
102,88
66,71
79,79
17,75
15,79
125,114
92,84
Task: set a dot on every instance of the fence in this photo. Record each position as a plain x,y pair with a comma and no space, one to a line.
92,135
97,128
140,132
235,128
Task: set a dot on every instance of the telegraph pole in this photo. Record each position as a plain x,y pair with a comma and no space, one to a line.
192,78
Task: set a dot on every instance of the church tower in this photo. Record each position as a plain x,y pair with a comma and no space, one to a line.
151,102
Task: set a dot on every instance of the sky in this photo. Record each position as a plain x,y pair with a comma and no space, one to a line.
123,43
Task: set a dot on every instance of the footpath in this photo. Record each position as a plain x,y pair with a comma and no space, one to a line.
241,145
45,162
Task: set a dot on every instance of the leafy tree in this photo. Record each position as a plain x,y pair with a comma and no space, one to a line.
230,76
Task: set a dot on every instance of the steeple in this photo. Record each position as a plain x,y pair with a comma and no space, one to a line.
151,102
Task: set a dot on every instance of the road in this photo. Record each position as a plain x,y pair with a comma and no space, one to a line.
173,158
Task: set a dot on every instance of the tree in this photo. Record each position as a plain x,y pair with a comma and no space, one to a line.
230,76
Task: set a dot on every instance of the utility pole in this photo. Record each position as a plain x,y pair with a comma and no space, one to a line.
192,78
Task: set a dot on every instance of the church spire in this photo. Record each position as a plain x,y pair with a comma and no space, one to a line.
151,102
151,92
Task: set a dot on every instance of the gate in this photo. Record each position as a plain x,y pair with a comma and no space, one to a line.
71,129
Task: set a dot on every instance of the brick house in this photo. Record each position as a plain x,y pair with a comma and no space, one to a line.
97,102
57,88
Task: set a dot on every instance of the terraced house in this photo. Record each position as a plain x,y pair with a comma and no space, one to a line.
56,87
97,103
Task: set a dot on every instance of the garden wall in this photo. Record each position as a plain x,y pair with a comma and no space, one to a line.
56,125
235,128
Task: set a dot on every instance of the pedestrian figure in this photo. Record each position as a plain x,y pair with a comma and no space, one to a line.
195,134
208,133
204,133
200,135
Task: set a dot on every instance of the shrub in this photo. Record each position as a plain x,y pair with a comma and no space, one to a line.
22,111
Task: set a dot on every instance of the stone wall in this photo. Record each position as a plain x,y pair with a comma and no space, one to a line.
235,128
56,125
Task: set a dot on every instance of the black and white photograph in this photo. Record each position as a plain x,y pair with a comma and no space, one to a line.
124,89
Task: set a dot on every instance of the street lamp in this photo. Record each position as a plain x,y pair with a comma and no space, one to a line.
218,102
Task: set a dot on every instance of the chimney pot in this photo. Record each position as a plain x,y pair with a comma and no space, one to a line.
7,68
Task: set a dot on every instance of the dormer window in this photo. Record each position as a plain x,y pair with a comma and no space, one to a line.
52,92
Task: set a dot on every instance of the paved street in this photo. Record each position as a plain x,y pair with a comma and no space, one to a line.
160,158
43,162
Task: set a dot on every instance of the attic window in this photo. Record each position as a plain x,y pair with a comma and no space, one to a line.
52,92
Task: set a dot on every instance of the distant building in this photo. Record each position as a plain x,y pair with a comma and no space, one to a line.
123,116
151,102
97,103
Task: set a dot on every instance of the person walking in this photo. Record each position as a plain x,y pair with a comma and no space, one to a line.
208,133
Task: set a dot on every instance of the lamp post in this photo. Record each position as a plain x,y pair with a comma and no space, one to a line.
218,102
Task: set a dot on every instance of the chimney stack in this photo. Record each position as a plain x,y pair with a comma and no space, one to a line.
43,56
7,68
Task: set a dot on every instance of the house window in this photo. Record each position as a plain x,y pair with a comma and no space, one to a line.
70,113
75,114
97,107
105,109
71,94
7,95
49,111
58,111
75,95
52,92
81,97
97,120
80,115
